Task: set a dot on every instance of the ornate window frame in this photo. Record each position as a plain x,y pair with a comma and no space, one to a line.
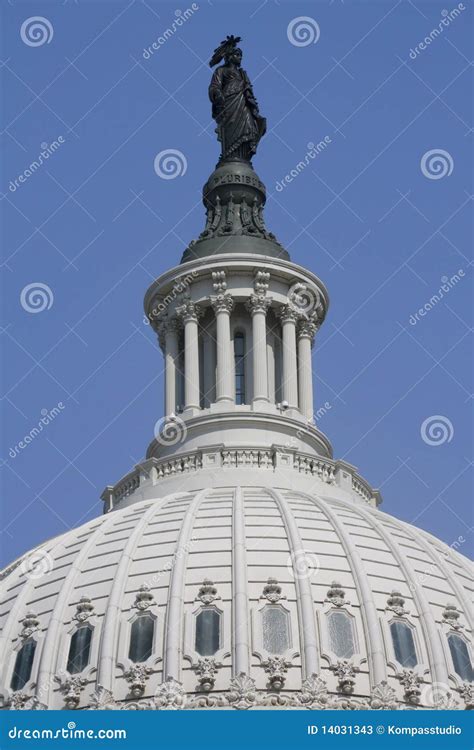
190,622
322,617
125,633
258,649
421,667
447,631
65,644
28,687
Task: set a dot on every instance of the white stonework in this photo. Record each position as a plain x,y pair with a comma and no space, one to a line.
254,558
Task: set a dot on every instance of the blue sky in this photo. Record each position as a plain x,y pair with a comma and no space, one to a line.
96,225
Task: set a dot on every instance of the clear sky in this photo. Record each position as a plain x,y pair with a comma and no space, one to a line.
380,224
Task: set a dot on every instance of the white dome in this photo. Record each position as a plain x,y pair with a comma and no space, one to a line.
215,550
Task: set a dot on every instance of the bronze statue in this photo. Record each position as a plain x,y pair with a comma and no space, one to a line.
234,107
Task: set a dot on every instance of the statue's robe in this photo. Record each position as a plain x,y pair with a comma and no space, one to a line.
235,110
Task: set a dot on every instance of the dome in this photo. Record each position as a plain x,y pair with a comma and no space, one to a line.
314,600
239,565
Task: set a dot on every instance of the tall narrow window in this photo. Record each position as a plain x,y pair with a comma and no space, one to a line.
275,629
341,634
239,363
79,650
23,665
141,638
403,644
460,656
208,632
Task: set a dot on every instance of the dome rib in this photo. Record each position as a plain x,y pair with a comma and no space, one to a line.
436,659
50,645
437,559
304,594
19,607
108,641
240,605
374,642
174,608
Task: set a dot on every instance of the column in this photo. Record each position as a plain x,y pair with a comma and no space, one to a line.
189,313
258,306
223,304
289,317
170,335
306,331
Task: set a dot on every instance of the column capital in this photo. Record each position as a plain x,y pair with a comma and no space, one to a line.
222,303
189,310
261,281
258,303
288,314
307,329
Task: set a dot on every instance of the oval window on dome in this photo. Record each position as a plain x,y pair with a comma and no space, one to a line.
341,634
276,636
460,657
79,650
141,638
403,644
208,632
23,665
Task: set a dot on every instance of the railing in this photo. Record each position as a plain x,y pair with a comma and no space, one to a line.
326,470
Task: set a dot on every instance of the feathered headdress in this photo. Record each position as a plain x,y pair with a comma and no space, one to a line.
224,48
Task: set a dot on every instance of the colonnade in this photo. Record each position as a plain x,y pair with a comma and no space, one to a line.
297,333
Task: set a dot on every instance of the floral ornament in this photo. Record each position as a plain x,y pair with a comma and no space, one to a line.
451,616
242,692
170,694
276,667
272,591
383,697
314,692
466,691
103,700
207,593
395,603
72,689
84,609
336,595
136,676
23,702
144,598
206,669
345,671
30,625
411,683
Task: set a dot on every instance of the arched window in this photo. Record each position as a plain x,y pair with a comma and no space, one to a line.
239,364
341,634
276,635
208,631
141,638
460,656
403,644
23,665
79,650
